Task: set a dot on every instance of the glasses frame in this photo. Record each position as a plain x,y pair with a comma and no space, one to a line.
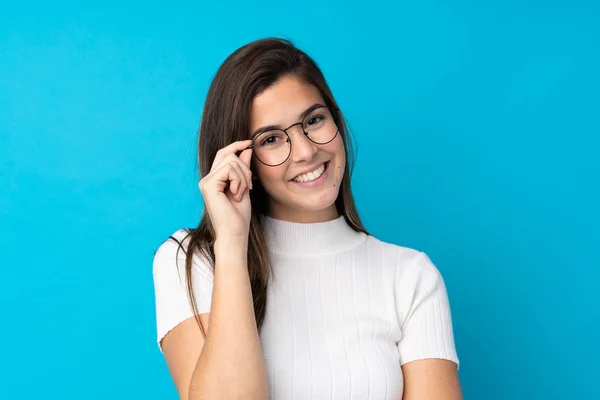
289,139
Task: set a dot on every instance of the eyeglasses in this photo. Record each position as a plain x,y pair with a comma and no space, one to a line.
273,147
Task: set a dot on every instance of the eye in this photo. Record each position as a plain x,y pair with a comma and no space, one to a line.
314,119
269,140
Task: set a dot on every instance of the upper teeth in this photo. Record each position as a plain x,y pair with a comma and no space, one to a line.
311,176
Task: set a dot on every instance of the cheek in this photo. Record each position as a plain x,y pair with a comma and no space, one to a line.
339,171
340,155
269,175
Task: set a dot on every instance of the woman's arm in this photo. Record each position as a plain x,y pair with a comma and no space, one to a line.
431,379
229,364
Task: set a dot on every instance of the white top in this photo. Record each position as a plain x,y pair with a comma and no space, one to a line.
344,311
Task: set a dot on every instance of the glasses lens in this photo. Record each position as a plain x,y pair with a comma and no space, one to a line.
272,147
320,126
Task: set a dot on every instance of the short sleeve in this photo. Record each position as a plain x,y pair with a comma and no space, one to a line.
170,285
423,311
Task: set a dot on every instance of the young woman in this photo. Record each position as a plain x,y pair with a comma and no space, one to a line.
280,292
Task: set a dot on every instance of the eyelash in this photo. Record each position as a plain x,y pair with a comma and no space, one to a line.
264,142
320,117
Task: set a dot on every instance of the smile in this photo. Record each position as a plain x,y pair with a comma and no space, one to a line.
314,177
311,176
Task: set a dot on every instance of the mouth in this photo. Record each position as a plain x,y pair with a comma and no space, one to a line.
313,178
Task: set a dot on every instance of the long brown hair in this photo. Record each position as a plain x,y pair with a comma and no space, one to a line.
247,72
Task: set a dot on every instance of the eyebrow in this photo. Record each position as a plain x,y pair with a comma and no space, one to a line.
301,117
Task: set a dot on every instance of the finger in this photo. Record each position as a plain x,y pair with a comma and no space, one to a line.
242,184
234,182
244,161
236,179
244,170
224,176
246,156
230,149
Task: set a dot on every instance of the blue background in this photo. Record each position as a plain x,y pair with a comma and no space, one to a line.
477,126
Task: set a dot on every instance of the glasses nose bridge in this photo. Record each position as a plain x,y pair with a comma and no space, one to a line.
301,149
302,130
291,126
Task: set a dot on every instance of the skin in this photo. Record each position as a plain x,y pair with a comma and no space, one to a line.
190,366
282,105
211,367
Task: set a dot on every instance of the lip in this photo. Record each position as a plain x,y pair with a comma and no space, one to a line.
317,181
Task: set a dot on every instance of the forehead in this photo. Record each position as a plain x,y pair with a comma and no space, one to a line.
283,102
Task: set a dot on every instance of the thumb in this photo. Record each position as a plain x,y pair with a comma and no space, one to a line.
246,156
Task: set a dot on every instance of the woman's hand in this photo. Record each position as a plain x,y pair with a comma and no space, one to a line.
226,191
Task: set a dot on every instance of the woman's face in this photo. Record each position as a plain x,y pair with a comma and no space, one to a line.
293,195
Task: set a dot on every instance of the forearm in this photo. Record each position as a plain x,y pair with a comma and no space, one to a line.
231,364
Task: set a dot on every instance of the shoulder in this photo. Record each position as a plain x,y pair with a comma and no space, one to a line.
173,247
409,263
176,240
172,253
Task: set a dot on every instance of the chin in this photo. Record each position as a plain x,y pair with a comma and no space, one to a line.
317,201
314,202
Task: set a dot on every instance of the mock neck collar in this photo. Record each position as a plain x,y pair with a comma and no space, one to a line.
310,239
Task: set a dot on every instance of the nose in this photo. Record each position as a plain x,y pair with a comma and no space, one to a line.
303,149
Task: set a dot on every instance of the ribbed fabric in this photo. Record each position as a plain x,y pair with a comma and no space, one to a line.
344,312
314,239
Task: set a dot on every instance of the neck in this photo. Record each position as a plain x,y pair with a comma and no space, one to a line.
310,239
303,216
